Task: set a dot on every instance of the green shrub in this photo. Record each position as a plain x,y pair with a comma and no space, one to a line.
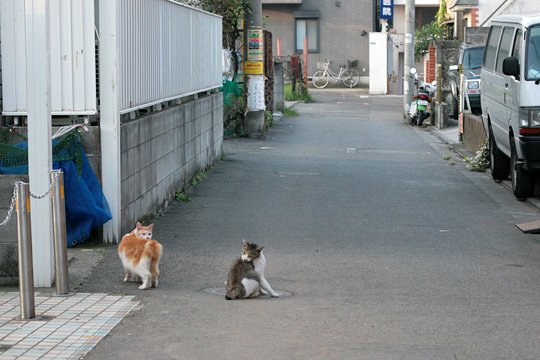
301,93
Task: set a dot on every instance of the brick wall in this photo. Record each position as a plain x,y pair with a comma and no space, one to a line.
431,65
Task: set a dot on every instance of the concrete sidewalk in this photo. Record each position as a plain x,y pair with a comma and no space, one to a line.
65,327
450,135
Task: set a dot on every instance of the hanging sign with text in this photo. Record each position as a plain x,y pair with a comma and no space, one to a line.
387,9
254,64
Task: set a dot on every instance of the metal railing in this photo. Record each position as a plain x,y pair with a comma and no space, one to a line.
20,204
167,51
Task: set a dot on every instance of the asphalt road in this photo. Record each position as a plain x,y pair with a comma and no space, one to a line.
390,247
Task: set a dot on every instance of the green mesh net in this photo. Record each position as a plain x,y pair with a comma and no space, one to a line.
231,91
67,147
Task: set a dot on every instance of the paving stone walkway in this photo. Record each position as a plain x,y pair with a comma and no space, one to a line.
64,328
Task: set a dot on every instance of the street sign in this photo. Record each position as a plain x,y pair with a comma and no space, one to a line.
254,64
387,9
254,68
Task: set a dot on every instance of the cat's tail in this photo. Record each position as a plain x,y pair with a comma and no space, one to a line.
153,249
234,293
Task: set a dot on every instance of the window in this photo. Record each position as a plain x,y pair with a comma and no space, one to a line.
307,28
516,51
491,49
533,54
504,48
472,58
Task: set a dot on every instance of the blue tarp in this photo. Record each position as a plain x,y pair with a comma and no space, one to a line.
86,206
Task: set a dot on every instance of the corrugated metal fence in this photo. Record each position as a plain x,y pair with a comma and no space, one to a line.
167,51
72,57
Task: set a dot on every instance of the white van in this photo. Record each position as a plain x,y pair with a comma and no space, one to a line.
510,92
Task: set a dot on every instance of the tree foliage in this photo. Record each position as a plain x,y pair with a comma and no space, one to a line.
427,35
232,11
441,13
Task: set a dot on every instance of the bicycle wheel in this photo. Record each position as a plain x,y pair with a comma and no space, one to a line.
320,79
350,78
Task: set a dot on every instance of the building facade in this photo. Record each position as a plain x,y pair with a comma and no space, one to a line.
479,13
425,11
336,30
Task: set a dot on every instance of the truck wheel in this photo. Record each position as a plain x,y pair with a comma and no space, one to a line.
498,162
522,180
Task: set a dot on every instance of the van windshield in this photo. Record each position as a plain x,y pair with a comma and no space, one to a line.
533,53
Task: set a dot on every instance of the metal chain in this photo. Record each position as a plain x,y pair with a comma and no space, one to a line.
11,207
14,198
51,187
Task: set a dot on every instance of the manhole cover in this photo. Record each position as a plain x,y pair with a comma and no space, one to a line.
220,291
298,173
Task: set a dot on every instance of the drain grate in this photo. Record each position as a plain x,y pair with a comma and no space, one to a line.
220,291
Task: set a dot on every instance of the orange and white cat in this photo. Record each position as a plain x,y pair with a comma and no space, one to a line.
143,232
140,256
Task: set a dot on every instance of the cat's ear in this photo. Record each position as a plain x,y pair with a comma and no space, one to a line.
139,225
259,249
245,243
150,227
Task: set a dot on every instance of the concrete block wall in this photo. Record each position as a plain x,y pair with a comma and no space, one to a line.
279,87
476,35
447,52
161,152
474,134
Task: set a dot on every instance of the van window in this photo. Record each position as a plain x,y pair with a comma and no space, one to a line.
516,51
504,48
491,48
533,54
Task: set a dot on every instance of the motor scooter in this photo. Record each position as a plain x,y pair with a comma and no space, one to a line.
419,108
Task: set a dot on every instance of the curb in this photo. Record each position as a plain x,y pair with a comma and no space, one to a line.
465,152
458,147
290,104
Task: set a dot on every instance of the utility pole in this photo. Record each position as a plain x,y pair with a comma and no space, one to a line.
408,83
254,70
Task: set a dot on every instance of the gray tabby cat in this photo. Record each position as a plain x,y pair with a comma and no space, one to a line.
246,277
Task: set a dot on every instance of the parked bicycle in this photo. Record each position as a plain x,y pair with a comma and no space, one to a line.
349,77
